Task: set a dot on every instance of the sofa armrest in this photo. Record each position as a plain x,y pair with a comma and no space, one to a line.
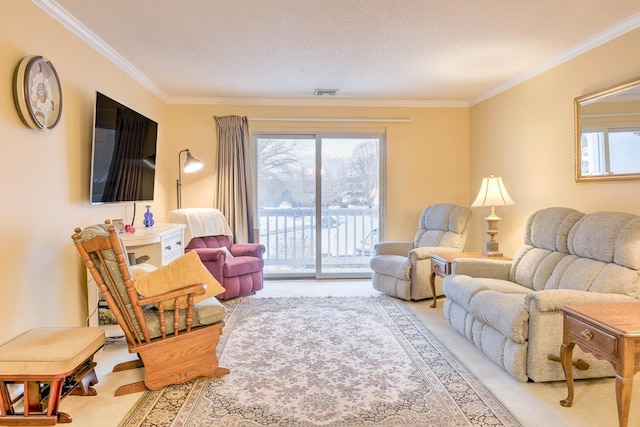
211,254
555,299
393,248
425,252
247,249
481,267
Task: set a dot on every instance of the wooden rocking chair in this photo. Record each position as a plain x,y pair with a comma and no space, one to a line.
174,345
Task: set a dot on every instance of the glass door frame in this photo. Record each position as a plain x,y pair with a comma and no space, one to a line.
318,136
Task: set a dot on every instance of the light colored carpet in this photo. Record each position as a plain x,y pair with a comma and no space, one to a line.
535,404
327,362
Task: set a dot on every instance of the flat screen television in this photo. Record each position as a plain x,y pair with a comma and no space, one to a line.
123,155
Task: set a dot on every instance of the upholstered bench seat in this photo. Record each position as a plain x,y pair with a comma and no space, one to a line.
62,357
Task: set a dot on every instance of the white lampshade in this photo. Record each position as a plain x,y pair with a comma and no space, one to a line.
492,193
191,164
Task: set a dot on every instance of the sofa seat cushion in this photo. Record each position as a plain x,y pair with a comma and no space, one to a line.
460,289
240,265
505,313
504,286
205,312
392,265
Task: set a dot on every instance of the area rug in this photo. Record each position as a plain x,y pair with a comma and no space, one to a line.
337,362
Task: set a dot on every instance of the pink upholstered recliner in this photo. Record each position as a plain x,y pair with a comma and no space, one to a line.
237,266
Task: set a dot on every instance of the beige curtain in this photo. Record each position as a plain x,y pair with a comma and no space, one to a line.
233,194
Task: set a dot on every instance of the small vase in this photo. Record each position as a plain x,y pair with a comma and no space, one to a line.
148,217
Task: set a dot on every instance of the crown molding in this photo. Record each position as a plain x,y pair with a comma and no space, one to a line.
72,24
623,27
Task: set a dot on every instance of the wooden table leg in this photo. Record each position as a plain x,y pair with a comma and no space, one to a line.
432,282
623,398
566,353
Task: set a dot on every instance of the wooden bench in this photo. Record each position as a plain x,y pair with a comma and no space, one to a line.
49,364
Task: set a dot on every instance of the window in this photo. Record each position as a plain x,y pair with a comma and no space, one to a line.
610,151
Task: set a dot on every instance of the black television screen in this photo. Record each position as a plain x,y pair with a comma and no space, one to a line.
123,154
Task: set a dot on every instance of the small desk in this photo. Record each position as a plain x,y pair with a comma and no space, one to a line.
441,265
610,332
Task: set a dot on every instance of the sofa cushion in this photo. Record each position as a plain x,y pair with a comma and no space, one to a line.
503,312
239,265
607,237
392,265
205,312
209,242
462,289
184,271
442,225
548,228
504,286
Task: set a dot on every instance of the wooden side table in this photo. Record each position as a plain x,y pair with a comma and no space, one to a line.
610,332
441,265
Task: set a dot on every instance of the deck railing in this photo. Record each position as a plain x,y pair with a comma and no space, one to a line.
347,237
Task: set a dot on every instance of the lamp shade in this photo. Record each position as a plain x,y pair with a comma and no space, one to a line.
492,193
191,164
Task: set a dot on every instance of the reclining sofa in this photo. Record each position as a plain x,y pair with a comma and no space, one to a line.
512,310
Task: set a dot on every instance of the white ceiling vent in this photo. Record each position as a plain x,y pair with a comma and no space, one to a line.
325,92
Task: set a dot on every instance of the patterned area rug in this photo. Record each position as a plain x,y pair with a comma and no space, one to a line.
326,362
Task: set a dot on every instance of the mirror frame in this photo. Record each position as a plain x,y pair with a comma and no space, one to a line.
590,98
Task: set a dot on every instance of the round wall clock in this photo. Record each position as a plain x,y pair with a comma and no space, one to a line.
37,93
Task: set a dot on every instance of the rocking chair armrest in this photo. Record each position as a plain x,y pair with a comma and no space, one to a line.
197,289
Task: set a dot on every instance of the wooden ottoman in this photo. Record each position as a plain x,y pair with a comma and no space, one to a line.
50,363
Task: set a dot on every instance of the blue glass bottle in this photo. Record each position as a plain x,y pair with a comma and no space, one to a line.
148,217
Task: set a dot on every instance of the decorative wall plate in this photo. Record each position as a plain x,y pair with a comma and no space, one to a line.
37,93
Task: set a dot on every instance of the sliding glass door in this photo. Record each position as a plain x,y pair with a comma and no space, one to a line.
318,203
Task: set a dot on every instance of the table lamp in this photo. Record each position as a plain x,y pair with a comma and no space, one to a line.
492,193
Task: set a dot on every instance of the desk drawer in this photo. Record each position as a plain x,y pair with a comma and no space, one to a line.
589,336
172,248
440,266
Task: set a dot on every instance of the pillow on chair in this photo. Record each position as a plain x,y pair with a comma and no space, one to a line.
184,271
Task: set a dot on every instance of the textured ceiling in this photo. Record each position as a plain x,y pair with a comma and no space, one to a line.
382,50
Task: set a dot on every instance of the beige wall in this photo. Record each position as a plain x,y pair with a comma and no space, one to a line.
427,159
526,136
45,176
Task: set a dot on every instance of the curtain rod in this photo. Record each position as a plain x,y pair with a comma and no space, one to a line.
320,119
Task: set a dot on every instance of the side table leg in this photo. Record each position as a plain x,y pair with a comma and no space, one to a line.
623,397
566,352
432,282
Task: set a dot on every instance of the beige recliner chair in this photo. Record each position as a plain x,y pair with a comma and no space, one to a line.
403,269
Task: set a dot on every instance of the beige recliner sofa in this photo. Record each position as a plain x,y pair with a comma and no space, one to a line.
403,269
512,310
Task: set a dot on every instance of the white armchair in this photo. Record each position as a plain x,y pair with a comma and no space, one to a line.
403,269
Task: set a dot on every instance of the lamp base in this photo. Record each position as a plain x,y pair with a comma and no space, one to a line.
490,254
492,248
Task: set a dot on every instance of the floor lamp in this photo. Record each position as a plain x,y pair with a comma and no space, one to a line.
492,193
191,164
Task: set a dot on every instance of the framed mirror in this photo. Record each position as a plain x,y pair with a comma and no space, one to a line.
607,134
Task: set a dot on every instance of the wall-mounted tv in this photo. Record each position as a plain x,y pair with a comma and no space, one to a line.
123,155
